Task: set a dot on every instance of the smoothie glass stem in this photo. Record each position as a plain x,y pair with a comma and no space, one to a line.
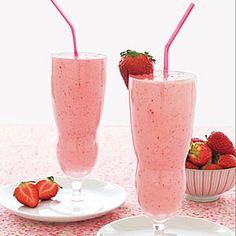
76,191
158,229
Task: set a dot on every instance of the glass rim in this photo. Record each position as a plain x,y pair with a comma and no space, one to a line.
85,55
159,73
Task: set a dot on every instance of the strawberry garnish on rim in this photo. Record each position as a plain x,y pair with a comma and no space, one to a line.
135,63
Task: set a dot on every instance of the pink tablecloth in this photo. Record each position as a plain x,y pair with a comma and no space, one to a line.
29,152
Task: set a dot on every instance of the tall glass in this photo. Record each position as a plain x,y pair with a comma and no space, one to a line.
78,86
162,114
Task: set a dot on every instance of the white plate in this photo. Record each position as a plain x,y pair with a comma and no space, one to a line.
177,226
109,195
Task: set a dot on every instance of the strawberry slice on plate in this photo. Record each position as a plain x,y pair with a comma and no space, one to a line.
135,63
47,188
27,194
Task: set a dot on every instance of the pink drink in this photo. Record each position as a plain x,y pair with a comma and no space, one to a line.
78,87
162,113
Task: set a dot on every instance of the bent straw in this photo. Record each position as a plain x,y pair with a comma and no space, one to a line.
167,46
71,26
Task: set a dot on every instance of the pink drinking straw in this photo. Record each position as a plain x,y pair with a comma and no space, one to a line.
167,46
71,26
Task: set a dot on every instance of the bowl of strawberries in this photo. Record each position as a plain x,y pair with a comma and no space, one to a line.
210,167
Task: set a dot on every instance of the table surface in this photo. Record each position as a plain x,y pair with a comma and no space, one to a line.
28,152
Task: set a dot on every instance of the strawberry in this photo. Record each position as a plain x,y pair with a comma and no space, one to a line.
220,143
226,161
211,166
27,194
199,153
233,152
195,140
135,63
190,165
47,188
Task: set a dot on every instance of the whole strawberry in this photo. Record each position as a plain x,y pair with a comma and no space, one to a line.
135,63
233,152
47,188
200,153
220,143
226,161
27,194
211,166
190,165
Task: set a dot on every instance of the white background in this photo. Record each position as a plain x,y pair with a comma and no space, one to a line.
31,30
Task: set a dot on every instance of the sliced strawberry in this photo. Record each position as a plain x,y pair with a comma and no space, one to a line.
27,194
211,166
200,153
190,165
135,63
47,188
226,161
220,143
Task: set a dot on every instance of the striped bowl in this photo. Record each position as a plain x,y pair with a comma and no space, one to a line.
207,185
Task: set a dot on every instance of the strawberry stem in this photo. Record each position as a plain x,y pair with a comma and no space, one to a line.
194,149
51,178
215,157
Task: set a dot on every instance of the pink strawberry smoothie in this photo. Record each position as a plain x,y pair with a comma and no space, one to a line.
162,114
78,87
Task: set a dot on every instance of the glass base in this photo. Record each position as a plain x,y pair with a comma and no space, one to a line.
160,229
87,205
163,234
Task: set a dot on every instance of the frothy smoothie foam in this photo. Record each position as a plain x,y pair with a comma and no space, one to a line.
78,87
162,113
